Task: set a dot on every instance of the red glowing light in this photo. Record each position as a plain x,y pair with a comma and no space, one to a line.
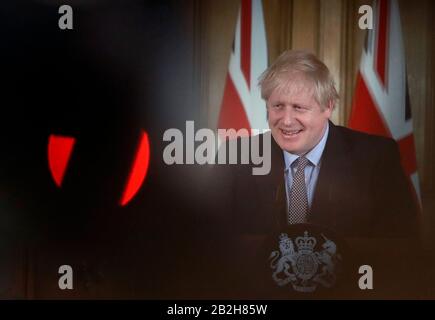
138,171
59,153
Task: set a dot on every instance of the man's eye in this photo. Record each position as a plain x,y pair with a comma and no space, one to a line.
278,106
297,107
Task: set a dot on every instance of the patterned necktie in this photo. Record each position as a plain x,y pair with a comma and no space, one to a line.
298,207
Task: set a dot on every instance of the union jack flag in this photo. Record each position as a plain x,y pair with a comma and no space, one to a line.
242,106
381,103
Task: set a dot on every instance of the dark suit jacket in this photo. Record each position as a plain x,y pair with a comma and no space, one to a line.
361,190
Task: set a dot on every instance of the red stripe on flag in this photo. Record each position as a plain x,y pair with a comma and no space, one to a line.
365,116
232,113
245,39
382,41
407,154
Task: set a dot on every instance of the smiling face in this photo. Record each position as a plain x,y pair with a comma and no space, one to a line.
296,119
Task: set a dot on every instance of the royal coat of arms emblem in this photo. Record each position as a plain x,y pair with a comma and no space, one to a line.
305,269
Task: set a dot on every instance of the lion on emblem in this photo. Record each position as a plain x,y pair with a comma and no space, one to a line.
282,265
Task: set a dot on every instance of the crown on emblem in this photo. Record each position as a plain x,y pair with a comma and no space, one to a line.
306,242
283,237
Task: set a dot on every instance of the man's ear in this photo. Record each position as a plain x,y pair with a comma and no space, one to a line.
329,108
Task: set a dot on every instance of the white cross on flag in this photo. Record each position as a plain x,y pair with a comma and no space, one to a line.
381,102
242,106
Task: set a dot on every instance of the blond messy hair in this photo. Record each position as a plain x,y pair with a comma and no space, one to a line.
294,65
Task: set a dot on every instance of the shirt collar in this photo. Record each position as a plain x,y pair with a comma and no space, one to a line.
313,155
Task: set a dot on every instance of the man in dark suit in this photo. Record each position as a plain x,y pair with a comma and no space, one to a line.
342,180
323,174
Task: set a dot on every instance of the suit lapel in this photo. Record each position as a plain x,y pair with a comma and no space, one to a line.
280,197
324,208
270,188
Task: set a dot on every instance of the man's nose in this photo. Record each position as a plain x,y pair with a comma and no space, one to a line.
289,116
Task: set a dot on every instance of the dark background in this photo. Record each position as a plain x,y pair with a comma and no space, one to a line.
124,67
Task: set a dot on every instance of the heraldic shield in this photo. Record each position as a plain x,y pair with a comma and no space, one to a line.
306,258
